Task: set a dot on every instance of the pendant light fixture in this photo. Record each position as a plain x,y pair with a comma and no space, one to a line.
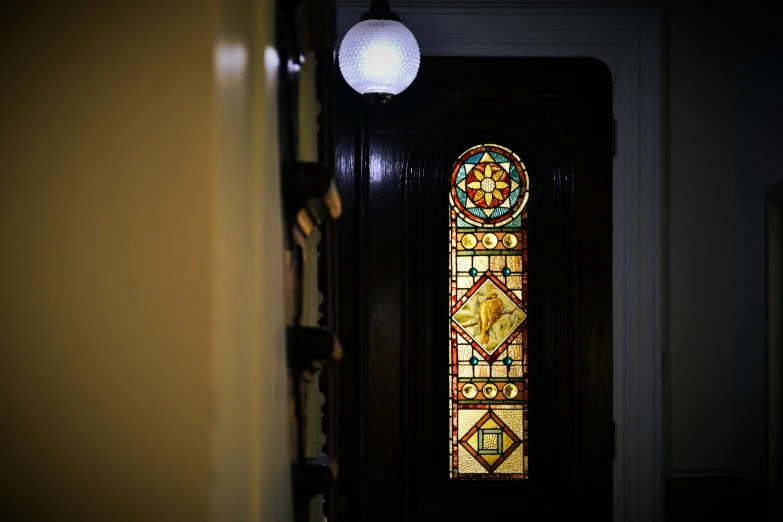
379,56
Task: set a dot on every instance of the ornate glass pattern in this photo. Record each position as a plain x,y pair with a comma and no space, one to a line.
488,382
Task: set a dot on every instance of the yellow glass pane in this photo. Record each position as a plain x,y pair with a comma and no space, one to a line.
510,241
510,390
469,241
498,369
489,424
515,352
513,463
481,263
473,441
513,419
490,441
491,458
464,282
465,370
468,463
497,263
469,391
466,419
515,370
514,262
490,391
514,281
489,241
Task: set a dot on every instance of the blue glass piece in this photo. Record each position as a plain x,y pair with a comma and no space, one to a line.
474,158
514,174
499,212
514,196
473,361
461,174
462,196
516,222
507,361
473,272
506,271
462,223
498,157
479,213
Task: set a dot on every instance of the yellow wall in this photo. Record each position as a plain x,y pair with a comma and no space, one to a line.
251,436
142,371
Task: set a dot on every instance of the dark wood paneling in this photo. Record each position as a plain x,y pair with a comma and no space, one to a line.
716,497
391,166
309,200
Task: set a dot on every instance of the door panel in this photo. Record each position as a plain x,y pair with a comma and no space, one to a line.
393,168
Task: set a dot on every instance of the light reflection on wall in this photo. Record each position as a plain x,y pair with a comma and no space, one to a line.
230,60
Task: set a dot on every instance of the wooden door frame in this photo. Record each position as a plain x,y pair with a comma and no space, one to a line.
773,215
628,40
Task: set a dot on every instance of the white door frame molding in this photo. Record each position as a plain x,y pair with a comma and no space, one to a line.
628,41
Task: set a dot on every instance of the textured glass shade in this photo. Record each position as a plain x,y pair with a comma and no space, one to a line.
379,56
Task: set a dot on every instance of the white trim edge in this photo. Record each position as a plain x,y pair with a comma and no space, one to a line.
628,40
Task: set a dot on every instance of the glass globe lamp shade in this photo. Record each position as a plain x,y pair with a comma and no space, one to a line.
379,59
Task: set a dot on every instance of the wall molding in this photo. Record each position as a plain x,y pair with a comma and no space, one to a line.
628,41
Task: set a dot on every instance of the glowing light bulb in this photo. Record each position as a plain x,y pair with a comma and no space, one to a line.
379,57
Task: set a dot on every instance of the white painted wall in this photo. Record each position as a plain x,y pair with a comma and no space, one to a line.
725,148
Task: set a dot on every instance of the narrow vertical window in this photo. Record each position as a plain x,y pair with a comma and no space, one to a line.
488,383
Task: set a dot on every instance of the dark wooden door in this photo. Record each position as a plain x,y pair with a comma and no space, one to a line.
393,167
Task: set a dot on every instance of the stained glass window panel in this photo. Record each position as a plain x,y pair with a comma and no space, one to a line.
488,377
